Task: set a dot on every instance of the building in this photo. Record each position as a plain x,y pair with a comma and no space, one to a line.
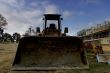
100,34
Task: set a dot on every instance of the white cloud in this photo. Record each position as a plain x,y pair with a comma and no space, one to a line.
20,17
107,19
67,14
51,9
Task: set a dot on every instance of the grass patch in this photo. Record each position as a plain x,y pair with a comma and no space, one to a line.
96,67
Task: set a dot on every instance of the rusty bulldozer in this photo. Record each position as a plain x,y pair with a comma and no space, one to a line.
50,49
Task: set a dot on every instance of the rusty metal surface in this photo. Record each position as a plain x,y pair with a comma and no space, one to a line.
47,53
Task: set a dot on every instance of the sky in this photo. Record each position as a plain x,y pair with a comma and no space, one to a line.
76,14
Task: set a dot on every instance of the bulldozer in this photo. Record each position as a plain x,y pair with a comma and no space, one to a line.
50,49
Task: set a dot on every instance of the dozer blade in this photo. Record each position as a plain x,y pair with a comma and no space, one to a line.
50,53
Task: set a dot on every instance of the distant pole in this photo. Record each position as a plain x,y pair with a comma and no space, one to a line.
30,30
92,39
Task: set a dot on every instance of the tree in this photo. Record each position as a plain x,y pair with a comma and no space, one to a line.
3,21
1,34
16,36
7,37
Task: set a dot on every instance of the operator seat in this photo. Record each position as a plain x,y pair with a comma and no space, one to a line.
52,26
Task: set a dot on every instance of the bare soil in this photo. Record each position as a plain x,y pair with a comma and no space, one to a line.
106,49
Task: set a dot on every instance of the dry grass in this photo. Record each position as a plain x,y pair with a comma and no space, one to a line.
7,52
97,67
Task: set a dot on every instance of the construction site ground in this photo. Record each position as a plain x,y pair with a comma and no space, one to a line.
7,53
106,49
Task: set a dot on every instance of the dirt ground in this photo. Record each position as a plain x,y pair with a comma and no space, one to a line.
106,49
7,52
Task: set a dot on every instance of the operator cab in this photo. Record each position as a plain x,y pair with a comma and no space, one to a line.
53,28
